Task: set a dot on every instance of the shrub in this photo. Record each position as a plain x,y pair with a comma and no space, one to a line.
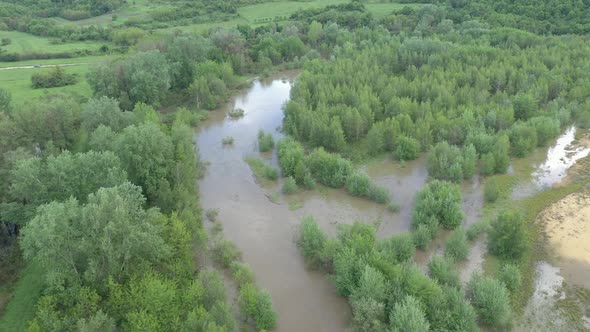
507,238
236,113
523,139
290,153
408,316
261,169
265,141
53,78
227,140
393,207
378,194
422,236
457,248
491,191
510,276
224,252
546,128
312,241
489,297
241,273
289,186
438,202
446,162
212,214
360,184
399,248
257,305
452,312
442,269
407,148
328,168
476,229
487,164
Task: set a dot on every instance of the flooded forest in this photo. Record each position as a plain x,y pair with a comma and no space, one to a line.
321,165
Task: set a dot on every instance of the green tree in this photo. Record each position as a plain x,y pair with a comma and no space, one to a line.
490,300
441,201
105,111
408,316
446,162
508,236
314,32
407,148
110,236
312,241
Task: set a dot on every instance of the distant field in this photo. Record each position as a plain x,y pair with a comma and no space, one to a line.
18,83
384,9
134,8
26,43
253,13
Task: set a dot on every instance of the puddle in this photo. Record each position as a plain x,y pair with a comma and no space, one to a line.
551,167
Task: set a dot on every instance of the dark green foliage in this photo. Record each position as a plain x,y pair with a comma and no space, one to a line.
452,312
399,248
289,186
524,107
360,184
448,162
510,276
256,304
144,77
438,203
490,299
407,148
487,165
53,78
328,169
224,252
457,248
547,129
311,241
491,191
265,141
442,269
290,155
105,111
408,316
507,237
523,139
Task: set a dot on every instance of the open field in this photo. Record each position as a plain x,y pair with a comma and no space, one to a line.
21,309
133,9
384,9
271,10
18,83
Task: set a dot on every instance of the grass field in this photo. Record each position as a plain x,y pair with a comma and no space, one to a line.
18,83
26,43
21,308
384,9
134,8
254,13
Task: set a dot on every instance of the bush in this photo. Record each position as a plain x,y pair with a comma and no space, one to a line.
236,113
442,269
241,273
507,238
261,169
393,207
476,229
224,252
360,184
257,305
490,299
227,140
289,186
546,128
438,202
399,248
457,248
290,153
265,141
407,148
212,214
328,168
510,276
422,236
446,162
311,241
523,139
487,164
452,312
491,191
408,316
54,78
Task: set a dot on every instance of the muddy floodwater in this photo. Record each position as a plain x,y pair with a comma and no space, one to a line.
263,223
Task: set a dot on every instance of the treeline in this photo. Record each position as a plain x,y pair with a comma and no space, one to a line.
401,93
